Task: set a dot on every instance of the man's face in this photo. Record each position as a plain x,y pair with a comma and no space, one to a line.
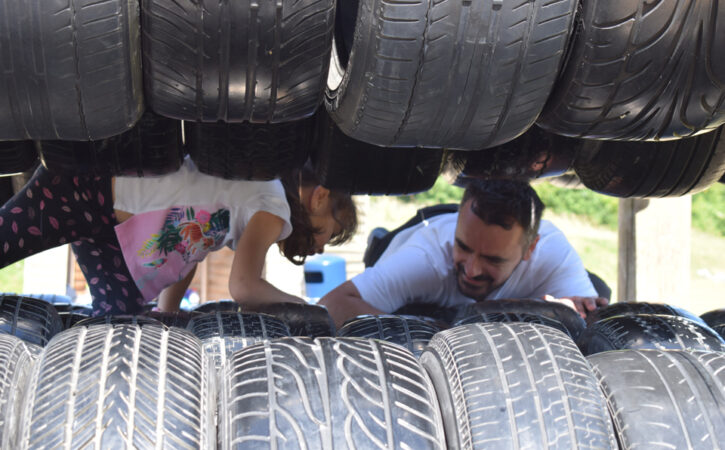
485,255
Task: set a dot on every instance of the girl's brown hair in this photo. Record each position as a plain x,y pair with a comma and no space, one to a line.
301,242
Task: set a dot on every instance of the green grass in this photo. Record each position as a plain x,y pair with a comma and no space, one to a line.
11,278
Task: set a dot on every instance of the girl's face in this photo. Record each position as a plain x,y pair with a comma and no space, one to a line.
328,227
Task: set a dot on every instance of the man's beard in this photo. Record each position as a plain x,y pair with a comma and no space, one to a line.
476,292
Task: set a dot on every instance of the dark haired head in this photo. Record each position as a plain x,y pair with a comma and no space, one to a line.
301,242
505,202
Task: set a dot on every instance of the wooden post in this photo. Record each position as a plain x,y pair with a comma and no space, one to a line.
654,250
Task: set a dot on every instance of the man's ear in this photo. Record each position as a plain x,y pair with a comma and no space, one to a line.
319,199
530,249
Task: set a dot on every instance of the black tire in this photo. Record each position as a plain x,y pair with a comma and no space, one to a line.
654,169
249,151
57,300
551,310
75,71
178,319
516,385
118,320
221,305
714,318
459,75
634,308
17,360
642,70
71,319
356,167
664,398
152,147
327,393
441,316
407,331
236,324
121,386
649,331
303,319
236,61
512,317
17,157
32,320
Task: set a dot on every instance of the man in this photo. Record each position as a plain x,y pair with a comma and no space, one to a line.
495,247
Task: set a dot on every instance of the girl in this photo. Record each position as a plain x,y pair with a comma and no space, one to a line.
137,239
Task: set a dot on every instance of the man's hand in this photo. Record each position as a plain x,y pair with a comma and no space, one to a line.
582,305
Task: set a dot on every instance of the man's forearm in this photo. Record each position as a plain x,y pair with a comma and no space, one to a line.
345,302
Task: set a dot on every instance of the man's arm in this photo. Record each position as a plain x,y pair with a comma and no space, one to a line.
345,302
582,305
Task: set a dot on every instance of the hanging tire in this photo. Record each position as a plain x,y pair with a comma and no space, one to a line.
153,147
302,319
358,168
121,386
72,71
516,385
634,308
654,169
17,157
248,151
459,75
555,311
642,70
407,331
240,61
32,320
328,393
664,398
649,331
17,360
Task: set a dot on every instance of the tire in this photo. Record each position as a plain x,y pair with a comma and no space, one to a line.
259,62
178,319
153,147
235,324
654,169
555,311
17,157
714,318
32,320
118,320
17,359
328,393
642,70
567,180
664,398
222,305
441,316
121,386
358,168
516,385
649,331
303,319
71,319
75,69
635,308
407,331
512,317
248,151
459,75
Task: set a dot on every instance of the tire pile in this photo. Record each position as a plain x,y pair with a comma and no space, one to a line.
485,376
629,95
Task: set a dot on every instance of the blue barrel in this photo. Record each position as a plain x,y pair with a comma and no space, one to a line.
323,273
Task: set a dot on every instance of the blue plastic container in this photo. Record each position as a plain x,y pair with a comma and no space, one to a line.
323,273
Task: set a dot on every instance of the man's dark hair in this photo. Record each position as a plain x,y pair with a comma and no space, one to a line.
505,202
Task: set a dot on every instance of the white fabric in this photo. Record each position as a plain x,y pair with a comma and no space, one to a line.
418,266
188,186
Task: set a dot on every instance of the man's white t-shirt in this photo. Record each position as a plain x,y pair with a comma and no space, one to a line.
417,267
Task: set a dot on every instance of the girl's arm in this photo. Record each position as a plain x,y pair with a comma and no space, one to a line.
245,280
170,297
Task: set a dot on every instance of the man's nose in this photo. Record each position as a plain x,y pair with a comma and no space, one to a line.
473,267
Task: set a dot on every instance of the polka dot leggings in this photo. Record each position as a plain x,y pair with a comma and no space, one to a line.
53,210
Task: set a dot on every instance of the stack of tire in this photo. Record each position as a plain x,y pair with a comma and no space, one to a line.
503,374
630,94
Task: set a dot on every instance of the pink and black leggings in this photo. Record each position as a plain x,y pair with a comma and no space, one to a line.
52,210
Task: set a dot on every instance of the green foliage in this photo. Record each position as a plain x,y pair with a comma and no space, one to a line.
441,192
11,278
708,210
596,208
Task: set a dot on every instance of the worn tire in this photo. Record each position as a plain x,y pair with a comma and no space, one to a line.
516,385
410,332
512,317
634,308
17,157
642,70
303,319
649,331
327,393
72,69
249,151
152,147
32,320
236,61
664,398
356,167
121,386
654,169
17,359
556,311
459,75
